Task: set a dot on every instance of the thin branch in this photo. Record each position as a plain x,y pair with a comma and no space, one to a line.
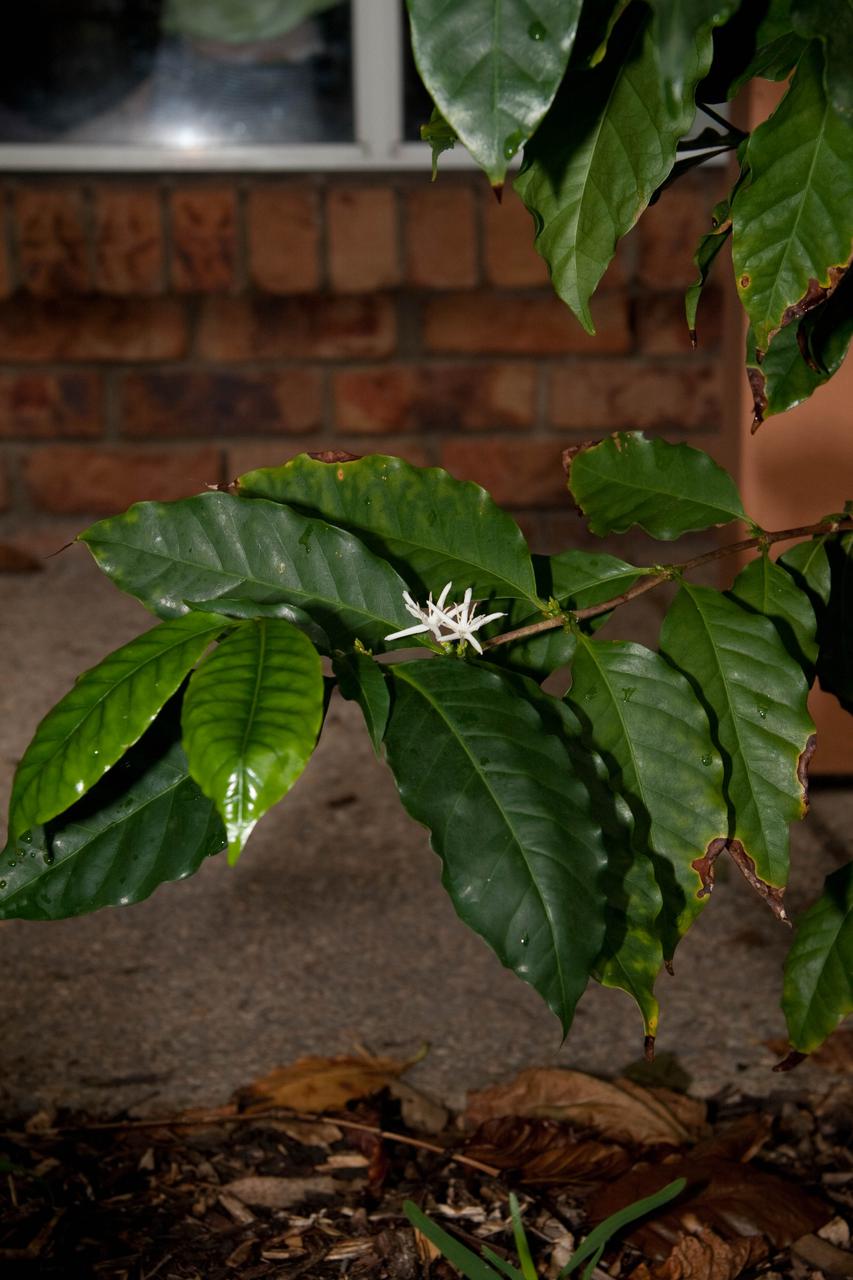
721,120
666,574
223,1116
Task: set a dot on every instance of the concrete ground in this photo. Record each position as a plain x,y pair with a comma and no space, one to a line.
333,930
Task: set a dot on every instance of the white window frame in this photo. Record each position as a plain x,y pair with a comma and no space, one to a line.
377,41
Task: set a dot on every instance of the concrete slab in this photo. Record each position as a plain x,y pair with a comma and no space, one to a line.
332,930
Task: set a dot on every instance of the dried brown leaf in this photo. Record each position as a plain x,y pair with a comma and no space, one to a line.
823,1255
733,1199
619,1110
320,1084
706,1256
277,1193
545,1153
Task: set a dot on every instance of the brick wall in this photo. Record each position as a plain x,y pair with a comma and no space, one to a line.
158,336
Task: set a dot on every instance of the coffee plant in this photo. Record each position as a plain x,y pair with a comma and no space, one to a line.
578,828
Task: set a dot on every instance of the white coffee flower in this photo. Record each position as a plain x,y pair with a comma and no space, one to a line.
447,625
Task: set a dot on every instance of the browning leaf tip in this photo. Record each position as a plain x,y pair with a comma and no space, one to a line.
771,894
793,1059
649,1048
803,769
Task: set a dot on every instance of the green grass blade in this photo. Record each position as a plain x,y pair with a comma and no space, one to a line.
455,1252
597,1239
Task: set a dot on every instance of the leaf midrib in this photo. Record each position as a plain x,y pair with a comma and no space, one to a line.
134,672
437,708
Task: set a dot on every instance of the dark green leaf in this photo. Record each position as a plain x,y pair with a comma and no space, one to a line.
808,565
251,716
242,610
106,711
667,489
492,778
575,579
608,143
361,680
755,697
801,357
832,22
769,590
172,554
647,724
144,823
708,248
835,660
818,990
793,219
676,26
493,67
433,527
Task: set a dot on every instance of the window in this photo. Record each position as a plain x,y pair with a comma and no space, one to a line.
211,84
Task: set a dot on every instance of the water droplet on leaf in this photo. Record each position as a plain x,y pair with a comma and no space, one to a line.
762,711
524,939
2,884
627,694
536,31
706,760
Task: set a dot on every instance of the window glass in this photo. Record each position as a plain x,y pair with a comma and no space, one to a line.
417,104
177,73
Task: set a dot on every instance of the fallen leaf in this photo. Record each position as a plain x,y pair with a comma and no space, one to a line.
619,1110
420,1112
823,1255
310,1133
320,1084
705,1257
732,1199
277,1193
542,1152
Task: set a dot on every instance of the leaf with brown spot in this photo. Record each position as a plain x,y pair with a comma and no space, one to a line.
545,1153
705,1256
321,1084
731,1198
617,1110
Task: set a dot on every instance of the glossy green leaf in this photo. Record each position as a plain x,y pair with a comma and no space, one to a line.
835,660
676,26
493,67
647,724
432,527
575,579
241,610
801,357
752,44
491,777
361,680
251,716
238,21
171,554
767,589
818,989
808,564
144,823
106,711
755,696
706,252
832,22
606,146
666,489
793,219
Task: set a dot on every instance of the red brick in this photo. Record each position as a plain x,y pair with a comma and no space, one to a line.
362,238
7,283
284,238
4,486
517,473
662,325
448,397
204,239
68,479
52,241
128,241
38,406
221,403
509,257
619,395
538,325
441,244
296,328
33,330
670,230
